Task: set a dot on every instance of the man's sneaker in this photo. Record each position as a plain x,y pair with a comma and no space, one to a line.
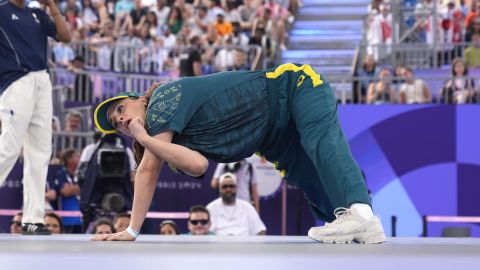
35,229
349,227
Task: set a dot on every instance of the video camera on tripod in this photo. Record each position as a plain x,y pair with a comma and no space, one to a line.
106,187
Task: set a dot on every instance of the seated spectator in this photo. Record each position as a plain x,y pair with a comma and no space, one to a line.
239,38
459,89
169,227
199,221
16,223
261,39
413,90
473,28
161,10
73,124
232,216
103,226
62,54
225,58
382,91
83,86
366,76
121,222
175,20
68,190
54,223
222,26
472,53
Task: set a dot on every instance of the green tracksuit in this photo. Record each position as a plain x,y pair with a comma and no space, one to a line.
288,114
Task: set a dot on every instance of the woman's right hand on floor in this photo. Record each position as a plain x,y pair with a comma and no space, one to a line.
120,236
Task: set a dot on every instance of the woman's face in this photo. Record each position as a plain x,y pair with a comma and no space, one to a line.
167,229
52,225
459,68
122,112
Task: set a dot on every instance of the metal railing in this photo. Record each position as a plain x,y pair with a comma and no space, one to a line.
418,55
154,59
354,89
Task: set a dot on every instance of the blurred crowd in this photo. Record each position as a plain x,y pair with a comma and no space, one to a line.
218,30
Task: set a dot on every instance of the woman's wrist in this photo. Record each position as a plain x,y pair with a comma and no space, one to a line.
132,232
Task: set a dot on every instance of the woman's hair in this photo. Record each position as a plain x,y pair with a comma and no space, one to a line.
103,221
58,218
456,61
170,223
138,149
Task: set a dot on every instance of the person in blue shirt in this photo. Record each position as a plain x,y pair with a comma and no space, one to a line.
69,190
288,114
26,100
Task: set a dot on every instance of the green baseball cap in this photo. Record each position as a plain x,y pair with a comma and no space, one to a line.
100,116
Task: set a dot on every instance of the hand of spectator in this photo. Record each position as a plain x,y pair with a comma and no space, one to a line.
120,236
137,128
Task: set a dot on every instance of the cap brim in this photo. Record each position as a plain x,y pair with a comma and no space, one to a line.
101,118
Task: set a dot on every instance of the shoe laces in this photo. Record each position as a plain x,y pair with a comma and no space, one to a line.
340,213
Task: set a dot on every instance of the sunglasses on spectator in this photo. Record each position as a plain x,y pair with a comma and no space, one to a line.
228,186
199,221
16,223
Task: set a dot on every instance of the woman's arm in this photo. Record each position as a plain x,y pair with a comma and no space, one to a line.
145,182
188,161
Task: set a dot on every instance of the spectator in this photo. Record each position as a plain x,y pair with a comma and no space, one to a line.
246,176
190,59
474,28
232,216
161,10
199,221
239,38
200,21
16,223
225,58
169,227
83,86
248,13
103,226
382,91
54,223
124,7
413,90
472,53
121,221
222,26
62,54
379,34
69,190
459,89
90,16
473,12
50,196
175,20
73,125
260,39
137,13
366,76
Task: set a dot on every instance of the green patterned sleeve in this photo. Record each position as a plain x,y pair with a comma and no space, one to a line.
162,109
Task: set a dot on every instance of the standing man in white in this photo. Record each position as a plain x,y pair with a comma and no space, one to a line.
26,108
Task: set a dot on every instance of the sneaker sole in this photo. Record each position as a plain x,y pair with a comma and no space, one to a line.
362,238
36,233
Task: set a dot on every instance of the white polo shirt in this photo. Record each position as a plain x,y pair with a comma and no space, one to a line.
238,219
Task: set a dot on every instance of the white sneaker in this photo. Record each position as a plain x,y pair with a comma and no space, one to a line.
349,227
